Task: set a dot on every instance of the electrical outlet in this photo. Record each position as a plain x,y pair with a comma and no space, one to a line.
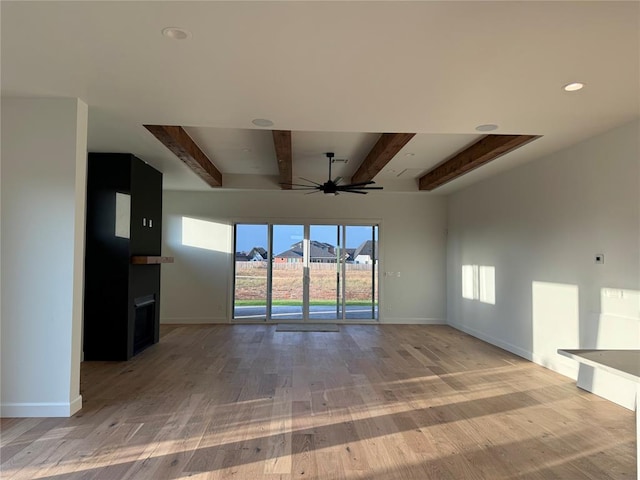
599,258
613,293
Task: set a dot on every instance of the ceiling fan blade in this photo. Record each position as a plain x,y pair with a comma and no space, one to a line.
337,180
310,181
298,185
355,191
360,184
346,188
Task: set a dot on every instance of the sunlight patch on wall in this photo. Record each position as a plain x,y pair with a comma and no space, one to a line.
123,215
470,282
479,283
487,284
619,319
555,319
205,234
620,302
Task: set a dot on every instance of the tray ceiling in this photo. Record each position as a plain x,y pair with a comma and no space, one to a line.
335,74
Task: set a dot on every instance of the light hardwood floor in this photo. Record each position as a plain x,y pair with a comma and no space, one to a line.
370,402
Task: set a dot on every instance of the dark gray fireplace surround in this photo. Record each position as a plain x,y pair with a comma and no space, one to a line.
124,220
144,322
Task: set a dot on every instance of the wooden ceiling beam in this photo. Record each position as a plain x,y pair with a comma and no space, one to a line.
282,144
176,139
382,152
486,149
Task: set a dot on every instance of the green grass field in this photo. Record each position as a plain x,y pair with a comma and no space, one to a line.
287,284
298,303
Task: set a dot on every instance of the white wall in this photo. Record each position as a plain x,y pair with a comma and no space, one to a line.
197,287
540,226
43,206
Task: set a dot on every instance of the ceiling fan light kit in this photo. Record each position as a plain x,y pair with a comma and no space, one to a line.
333,187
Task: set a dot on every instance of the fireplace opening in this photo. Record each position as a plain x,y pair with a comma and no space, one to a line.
145,315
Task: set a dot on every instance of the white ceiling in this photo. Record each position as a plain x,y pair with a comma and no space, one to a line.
335,73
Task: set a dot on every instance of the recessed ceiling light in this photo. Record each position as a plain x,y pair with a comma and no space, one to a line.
262,122
573,87
176,33
488,127
409,154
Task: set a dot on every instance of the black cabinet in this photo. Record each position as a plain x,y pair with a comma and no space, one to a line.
124,220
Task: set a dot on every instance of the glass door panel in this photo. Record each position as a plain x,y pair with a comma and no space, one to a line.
287,273
251,285
325,291
361,272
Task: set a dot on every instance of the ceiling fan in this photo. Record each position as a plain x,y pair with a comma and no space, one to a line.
333,186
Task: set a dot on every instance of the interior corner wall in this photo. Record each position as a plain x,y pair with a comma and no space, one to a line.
521,257
197,287
43,186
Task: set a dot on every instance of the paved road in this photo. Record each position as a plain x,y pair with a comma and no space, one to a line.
316,312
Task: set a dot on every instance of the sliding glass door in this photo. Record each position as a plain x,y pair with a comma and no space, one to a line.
306,272
325,293
361,272
251,279
287,273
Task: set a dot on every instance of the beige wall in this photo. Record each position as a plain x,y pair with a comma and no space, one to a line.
197,287
539,228
44,158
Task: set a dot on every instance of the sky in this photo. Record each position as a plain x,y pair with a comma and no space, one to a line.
251,235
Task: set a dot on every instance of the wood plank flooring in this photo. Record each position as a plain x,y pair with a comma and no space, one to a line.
369,402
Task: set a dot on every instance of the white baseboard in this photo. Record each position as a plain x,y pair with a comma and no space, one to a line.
192,320
494,341
37,410
413,321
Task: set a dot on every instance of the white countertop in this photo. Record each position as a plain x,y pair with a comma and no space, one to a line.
625,363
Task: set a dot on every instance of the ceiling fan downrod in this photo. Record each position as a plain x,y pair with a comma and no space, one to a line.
330,156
